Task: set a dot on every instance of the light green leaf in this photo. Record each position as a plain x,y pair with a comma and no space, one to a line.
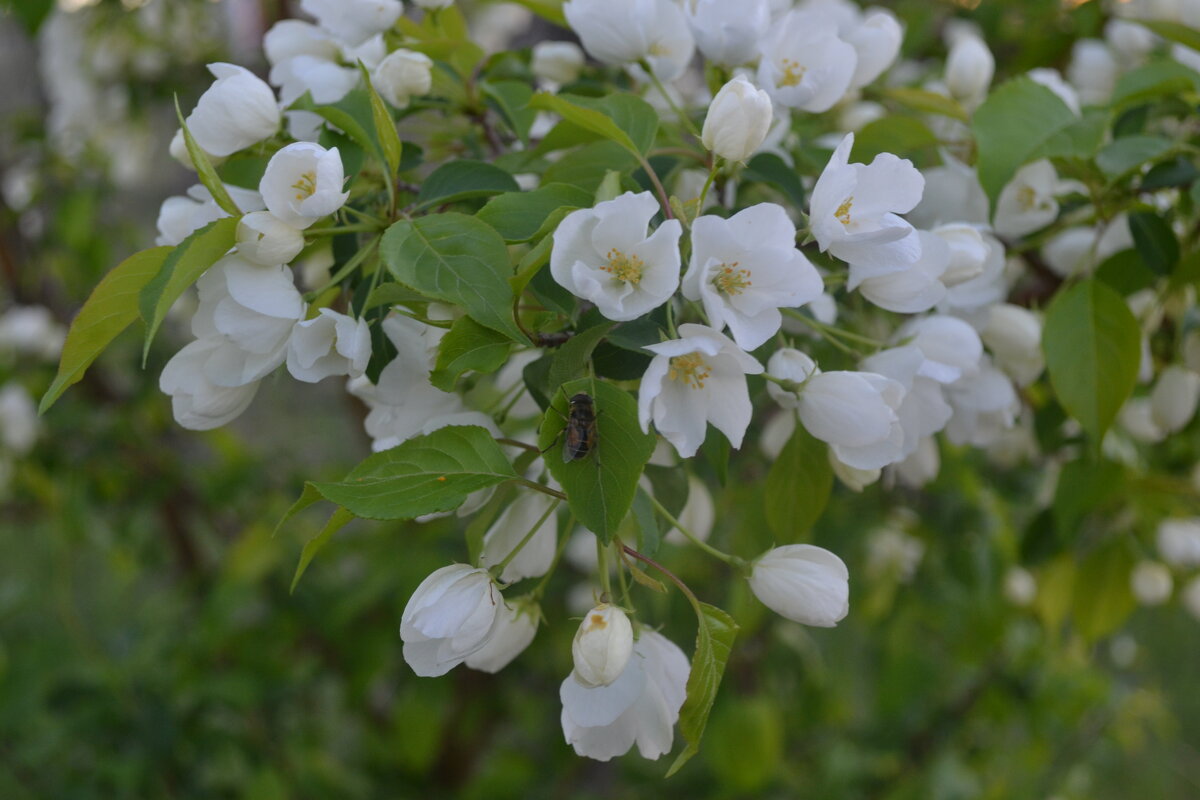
1130,152
511,99
338,520
1167,78
622,118
573,356
902,136
204,168
1093,346
714,640
462,180
109,309
468,346
798,486
1102,598
518,216
425,475
1081,139
390,145
353,115
1011,126
588,166
183,267
457,259
927,102
771,169
600,486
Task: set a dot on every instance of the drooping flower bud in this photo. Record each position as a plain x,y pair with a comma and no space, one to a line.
602,646
1014,336
738,120
803,583
1173,401
402,75
264,239
557,62
969,69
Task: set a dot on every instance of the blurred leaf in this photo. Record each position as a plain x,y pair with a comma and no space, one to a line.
774,171
1167,78
511,100
798,486
622,118
573,356
649,534
1093,347
745,744
1126,272
587,166
518,216
714,639
927,102
550,10
601,485
424,475
458,259
464,179
1085,486
1173,32
1130,152
716,451
468,346
1055,582
109,309
1155,241
1178,171
900,135
31,13
1101,596
338,520
1081,139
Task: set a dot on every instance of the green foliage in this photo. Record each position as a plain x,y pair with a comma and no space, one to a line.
462,180
519,216
797,487
621,118
468,346
714,639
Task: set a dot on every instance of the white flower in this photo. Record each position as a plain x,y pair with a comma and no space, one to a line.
1151,583
19,422
698,514
1093,71
264,239
603,255
31,330
238,110
803,583
1053,80
876,40
330,343
1020,587
693,380
988,287
556,63
627,31
181,216
985,406
952,195
1027,201
448,618
737,121
805,64
602,646
924,410
968,252
514,629
1014,335
509,530
197,402
854,211
918,287
745,268
969,69
727,33
1179,541
402,75
639,707
893,553
1173,400
323,79
852,478
950,346
921,466
354,21
1137,419
1130,41
289,38
302,183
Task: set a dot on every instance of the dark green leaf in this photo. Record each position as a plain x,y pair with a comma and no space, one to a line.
338,520
649,535
903,136
468,346
587,166
1101,597
773,170
714,640
798,486
572,357
1085,486
1126,272
352,115
510,99
1130,152
463,179
1155,241
1167,78
624,119
716,452
1173,32
518,216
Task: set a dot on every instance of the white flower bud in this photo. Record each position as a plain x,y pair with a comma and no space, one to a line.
449,617
968,252
19,423
402,75
1093,71
738,120
602,646
1173,401
264,239
238,110
1020,588
557,62
852,478
1179,541
1151,583
803,583
514,629
729,33
1014,336
969,69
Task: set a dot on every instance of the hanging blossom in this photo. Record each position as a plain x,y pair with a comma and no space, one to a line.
693,380
604,256
449,617
745,268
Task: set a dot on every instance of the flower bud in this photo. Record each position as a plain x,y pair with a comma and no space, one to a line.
402,75
738,120
968,252
1014,336
1151,583
803,583
513,630
449,617
1020,587
264,239
602,646
557,62
1173,401
238,110
302,183
969,69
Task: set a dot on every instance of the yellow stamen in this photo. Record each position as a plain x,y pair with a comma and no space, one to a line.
843,211
307,185
1026,197
731,280
623,267
793,73
690,369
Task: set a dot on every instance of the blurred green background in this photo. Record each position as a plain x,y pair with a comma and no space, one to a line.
149,646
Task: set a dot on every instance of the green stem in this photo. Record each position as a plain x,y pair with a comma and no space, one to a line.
731,560
354,263
712,174
537,487
499,568
602,564
684,118
671,576
333,231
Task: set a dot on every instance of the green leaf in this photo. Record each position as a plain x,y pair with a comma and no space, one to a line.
1155,241
183,267
1130,152
773,170
927,102
204,168
1093,347
600,486
353,114
798,486
109,309
1173,32
714,640
649,534
587,166
1101,597
572,357
468,346
457,259
1085,486
622,118
903,136
1126,272
1011,126
464,179
511,100
550,10
751,733
518,216
338,520
425,475
386,135
1167,78
1081,139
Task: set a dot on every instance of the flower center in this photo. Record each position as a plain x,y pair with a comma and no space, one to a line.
690,369
731,280
843,211
1027,197
623,267
793,73
307,185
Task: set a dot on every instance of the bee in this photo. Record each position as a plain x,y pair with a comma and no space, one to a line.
580,430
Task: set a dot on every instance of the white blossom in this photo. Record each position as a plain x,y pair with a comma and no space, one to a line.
330,343
803,583
805,64
627,31
952,194
876,40
985,405
918,287
238,110
727,33
31,330
950,346
969,69
968,252
181,216
1027,202
515,522
923,410
289,38
1014,335
693,380
449,617
737,121
1173,400
556,63
353,21
1179,541
1151,583
602,646
197,402
402,75
19,424
515,626
264,239
302,183
325,80
1020,587
1092,71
